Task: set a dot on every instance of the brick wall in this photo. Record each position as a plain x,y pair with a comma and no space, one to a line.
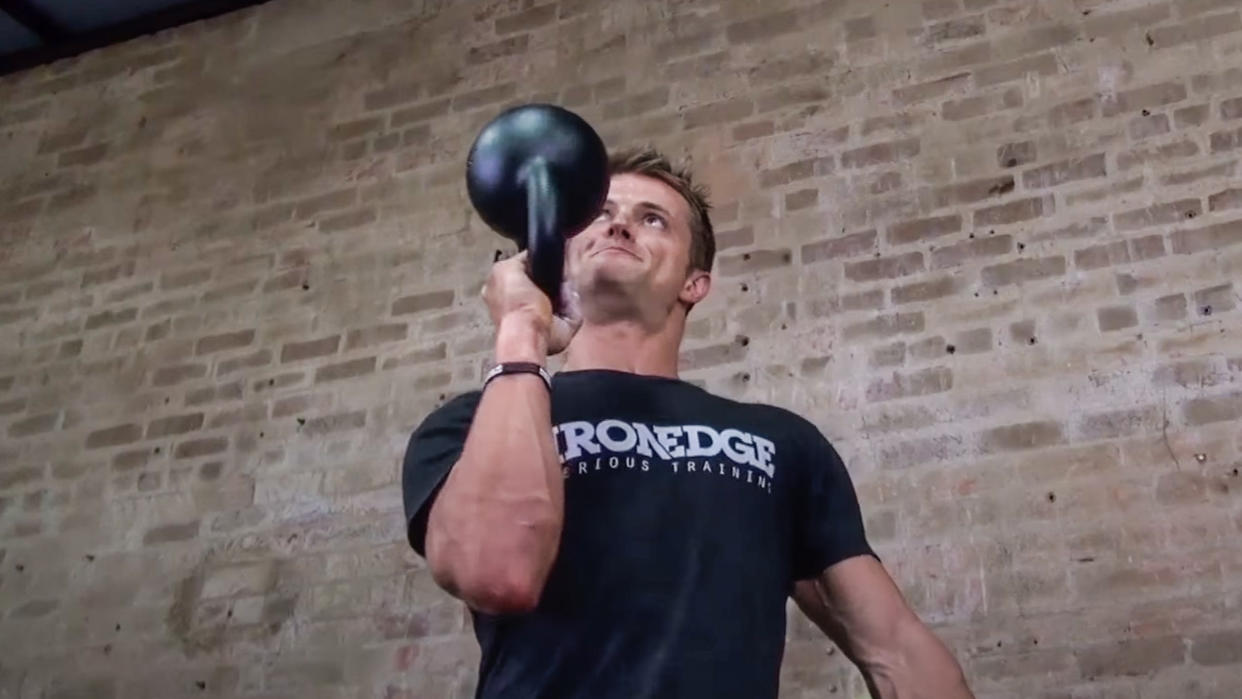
991,247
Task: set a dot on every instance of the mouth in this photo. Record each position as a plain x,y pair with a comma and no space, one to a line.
613,248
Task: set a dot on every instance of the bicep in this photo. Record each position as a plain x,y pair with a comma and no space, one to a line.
858,605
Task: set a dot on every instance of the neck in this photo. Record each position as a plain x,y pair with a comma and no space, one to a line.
628,346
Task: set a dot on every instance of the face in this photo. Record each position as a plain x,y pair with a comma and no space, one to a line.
639,247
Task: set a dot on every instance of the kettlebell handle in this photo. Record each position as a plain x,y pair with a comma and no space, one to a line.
544,239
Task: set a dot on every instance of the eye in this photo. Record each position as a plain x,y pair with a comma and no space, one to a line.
653,219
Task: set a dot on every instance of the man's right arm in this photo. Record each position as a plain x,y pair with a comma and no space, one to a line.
495,527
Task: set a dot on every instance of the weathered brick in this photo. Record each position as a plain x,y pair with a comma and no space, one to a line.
13,478
1157,95
1020,271
846,246
1190,117
801,199
1130,657
1028,435
763,27
754,261
953,255
1221,235
970,107
166,533
925,290
713,355
339,422
1215,299
418,303
1195,30
1171,307
884,326
1058,173
375,335
1111,424
1013,212
1116,318
1202,411
223,341
1157,214
309,349
1225,200
919,383
113,436
1042,64
717,113
175,424
35,424
930,90
972,191
206,446
1217,649
889,267
211,394
923,229
880,153
1015,154
106,318
345,370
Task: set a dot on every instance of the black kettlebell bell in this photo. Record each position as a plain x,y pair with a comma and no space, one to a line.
538,174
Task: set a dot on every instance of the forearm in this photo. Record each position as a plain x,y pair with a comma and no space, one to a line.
493,533
921,667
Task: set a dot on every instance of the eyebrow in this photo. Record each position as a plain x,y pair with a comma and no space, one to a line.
645,205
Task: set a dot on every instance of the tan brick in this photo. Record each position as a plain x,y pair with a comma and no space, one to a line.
972,191
1171,307
206,446
754,261
1130,657
293,405
1116,318
1029,435
1158,95
107,318
801,199
1042,64
375,335
1221,235
713,355
1086,167
1216,649
211,394
933,89
979,105
1157,214
13,478
309,349
1111,424
1190,117
172,375
1225,200
224,341
1157,154
929,290
418,303
345,370
175,424
956,254
339,422
113,436
1013,212
1195,30
846,246
923,229
919,383
717,113
35,424
493,50
880,153
885,267
884,326
766,26
1020,271
888,355
1215,299
1015,154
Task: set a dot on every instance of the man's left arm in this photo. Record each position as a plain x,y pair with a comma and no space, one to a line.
859,606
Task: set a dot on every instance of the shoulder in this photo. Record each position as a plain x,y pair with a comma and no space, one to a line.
454,413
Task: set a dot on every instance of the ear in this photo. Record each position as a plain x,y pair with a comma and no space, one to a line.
698,283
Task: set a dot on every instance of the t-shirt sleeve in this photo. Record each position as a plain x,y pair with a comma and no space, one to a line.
434,447
829,525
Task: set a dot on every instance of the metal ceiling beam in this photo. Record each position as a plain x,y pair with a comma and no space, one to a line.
34,19
74,44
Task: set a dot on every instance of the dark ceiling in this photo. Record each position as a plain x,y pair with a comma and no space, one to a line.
33,32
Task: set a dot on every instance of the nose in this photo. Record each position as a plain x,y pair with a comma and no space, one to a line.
620,226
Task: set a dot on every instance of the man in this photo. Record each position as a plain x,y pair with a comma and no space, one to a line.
621,534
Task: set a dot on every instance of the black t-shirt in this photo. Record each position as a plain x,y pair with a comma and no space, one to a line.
688,517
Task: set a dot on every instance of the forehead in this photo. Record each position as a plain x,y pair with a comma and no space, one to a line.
630,189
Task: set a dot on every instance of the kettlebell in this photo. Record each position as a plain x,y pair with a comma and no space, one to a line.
538,175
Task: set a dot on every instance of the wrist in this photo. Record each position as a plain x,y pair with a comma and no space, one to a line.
520,338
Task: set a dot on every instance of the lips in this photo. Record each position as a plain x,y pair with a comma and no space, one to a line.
617,249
